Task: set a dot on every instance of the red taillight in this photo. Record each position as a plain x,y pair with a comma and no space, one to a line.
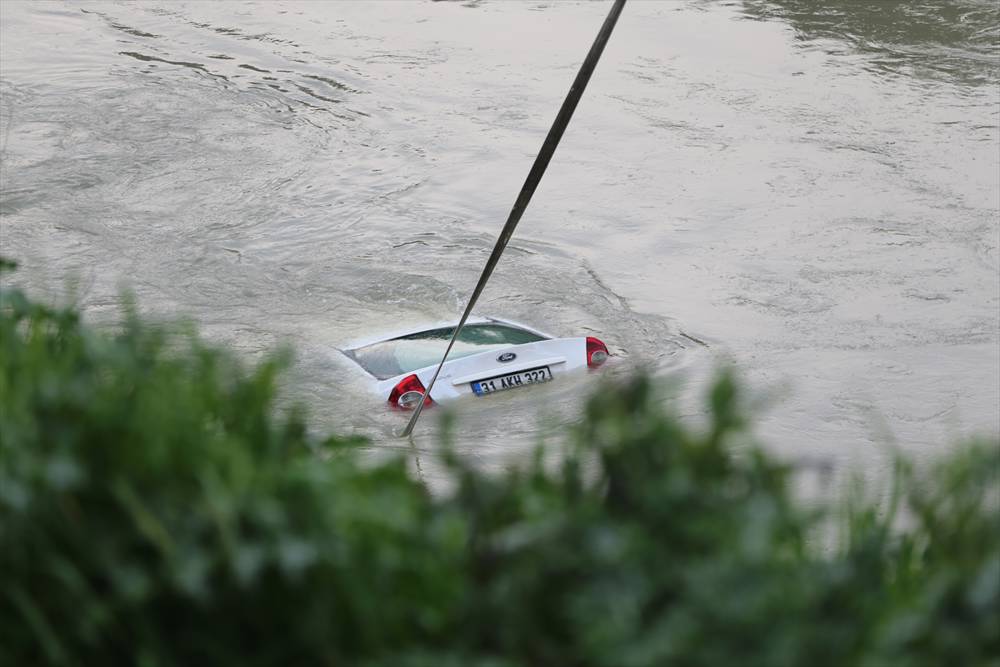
407,393
597,352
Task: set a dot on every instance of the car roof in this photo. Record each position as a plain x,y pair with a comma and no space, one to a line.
473,319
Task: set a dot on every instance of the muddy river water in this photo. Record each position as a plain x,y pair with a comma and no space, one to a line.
810,195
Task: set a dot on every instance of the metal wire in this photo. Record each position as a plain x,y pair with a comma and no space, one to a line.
530,184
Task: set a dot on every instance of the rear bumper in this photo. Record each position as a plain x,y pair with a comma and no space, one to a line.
560,355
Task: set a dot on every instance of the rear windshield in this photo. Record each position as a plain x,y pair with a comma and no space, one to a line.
406,354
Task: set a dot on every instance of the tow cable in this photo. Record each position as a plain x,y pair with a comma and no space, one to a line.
530,183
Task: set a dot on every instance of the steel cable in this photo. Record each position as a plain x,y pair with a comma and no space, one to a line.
530,184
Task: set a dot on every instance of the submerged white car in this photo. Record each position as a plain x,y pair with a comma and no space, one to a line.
490,355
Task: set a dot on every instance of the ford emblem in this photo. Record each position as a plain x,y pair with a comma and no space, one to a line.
506,356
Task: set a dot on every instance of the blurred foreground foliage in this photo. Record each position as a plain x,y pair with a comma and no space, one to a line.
155,509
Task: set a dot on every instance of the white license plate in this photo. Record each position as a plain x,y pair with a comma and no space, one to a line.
511,381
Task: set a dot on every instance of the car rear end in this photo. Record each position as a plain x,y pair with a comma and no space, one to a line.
489,356
497,370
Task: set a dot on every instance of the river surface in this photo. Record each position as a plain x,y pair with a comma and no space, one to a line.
810,195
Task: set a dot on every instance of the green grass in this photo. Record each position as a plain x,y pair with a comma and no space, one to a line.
156,509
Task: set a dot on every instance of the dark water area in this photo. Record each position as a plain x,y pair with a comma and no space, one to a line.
810,189
949,40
